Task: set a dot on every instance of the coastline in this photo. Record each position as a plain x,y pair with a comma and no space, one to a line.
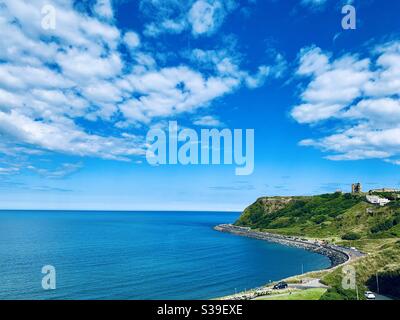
338,255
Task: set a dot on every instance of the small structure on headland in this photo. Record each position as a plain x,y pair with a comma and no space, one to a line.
376,196
356,188
377,200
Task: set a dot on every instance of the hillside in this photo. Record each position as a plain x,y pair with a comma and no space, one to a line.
345,219
328,215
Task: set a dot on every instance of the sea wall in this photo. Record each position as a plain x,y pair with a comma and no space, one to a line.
336,254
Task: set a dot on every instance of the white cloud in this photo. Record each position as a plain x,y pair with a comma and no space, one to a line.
225,62
314,3
201,17
360,95
171,91
333,85
64,170
386,79
312,61
9,170
208,121
206,16
380,112
78,64
132,39
56,84
311,113
65,137
104,9
395,162
166,16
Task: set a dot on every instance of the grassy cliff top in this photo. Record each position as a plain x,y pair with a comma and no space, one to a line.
322,216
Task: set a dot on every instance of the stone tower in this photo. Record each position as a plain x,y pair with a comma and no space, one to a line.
356,188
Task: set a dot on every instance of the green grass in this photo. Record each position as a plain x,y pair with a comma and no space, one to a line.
331,215
395,231
308,294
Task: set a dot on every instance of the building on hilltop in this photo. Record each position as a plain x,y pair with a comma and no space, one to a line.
377,200
356,188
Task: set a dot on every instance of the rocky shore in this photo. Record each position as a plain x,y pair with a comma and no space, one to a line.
337,255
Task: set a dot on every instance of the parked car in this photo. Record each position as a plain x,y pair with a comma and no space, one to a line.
280,286
369,295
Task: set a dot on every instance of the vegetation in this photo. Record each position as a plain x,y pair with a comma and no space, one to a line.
345,216
351,236
337,293
344,219
384,261
309,294
386,225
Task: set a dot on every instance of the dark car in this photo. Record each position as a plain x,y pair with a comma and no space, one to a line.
280,286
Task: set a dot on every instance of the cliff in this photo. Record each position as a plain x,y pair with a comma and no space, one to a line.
338,215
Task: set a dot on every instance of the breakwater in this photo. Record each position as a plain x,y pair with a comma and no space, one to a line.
337,255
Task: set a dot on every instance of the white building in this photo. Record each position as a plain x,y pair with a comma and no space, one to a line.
377,200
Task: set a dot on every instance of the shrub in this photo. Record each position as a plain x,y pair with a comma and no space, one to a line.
383,226
396,220
351,236
348,196
337,293
319,219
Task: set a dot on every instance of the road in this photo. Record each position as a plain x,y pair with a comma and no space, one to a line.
380,297
310,284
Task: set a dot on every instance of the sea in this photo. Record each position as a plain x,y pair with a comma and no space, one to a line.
92,255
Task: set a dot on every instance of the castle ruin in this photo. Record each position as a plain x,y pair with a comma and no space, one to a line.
356,188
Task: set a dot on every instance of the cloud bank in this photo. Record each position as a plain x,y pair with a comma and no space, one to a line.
85,87
360,96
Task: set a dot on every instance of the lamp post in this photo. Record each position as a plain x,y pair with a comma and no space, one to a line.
377,283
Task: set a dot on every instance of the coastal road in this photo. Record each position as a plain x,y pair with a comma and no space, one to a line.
380,297
311,284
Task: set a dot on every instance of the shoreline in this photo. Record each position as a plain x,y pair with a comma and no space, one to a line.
338,255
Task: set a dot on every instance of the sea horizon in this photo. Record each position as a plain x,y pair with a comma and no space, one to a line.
136,210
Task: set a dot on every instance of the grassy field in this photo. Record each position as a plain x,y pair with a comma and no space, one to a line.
309,294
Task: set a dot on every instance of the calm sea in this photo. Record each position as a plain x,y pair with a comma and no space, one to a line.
137,255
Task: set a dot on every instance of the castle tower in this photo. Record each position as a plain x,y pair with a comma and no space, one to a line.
356,188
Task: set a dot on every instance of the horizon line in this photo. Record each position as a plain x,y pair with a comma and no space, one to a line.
120,210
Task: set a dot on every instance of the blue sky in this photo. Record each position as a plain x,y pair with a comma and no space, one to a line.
77,101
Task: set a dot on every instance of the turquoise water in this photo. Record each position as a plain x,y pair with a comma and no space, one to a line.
137,255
